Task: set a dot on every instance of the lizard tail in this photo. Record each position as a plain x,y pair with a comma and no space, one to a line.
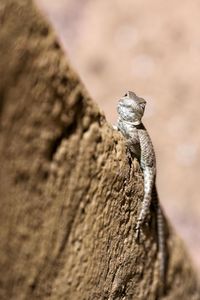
162,247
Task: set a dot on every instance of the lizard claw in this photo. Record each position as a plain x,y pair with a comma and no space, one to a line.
137,234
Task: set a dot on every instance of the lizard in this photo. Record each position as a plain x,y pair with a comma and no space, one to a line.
131,110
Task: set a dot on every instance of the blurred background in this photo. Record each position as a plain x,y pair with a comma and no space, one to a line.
153,48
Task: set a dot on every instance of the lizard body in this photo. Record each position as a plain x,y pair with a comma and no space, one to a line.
131,109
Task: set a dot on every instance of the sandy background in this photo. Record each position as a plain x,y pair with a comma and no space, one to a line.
153,48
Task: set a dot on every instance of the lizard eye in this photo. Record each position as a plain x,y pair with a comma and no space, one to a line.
142,105
126,95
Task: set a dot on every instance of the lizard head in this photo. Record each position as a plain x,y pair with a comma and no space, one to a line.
131,108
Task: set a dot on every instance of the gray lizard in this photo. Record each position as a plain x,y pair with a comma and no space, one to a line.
131,109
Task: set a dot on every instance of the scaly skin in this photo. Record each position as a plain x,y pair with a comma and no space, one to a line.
131,109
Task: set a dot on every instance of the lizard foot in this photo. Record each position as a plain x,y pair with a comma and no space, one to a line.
138,228
140,224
